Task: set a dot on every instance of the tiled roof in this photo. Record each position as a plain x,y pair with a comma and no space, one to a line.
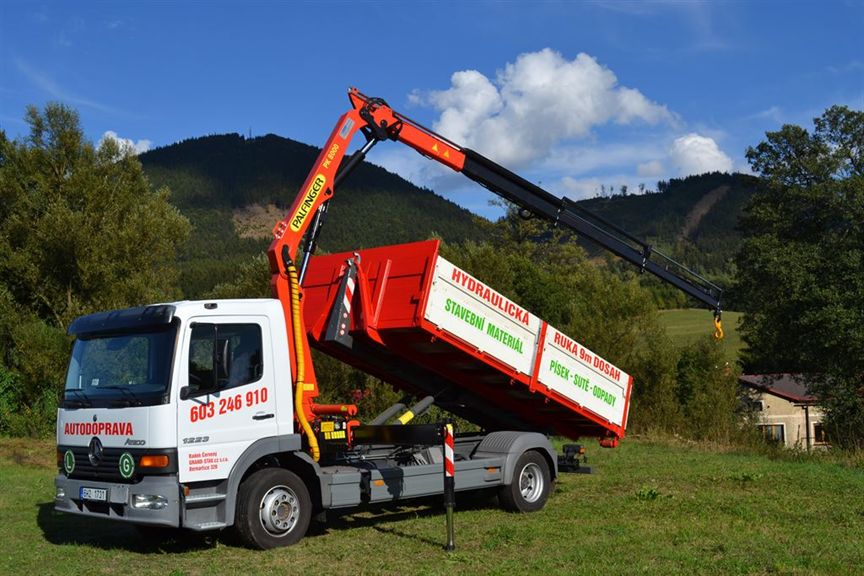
792,387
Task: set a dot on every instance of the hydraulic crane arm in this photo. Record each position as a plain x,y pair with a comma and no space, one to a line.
563,212
377,121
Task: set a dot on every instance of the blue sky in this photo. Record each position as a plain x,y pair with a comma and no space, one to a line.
573,95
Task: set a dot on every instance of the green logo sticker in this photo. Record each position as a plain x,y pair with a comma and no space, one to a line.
127,465
69,462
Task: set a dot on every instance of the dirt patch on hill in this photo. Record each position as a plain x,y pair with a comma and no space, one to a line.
257,221
700,209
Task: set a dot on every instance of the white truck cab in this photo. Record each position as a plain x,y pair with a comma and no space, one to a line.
167,396
182,415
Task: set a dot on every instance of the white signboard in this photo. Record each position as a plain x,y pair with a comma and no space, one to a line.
574,371
475,313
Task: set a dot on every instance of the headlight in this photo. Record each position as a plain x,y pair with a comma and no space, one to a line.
149,501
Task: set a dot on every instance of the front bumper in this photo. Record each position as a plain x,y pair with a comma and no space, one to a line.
120,498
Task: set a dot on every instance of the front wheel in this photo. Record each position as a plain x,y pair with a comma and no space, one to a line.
530,487
273,509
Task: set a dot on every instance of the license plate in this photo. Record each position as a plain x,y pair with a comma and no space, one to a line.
100,494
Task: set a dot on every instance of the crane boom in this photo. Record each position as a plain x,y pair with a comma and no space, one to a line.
562,212
378,122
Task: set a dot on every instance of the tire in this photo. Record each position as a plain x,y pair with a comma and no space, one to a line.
273,509
530,486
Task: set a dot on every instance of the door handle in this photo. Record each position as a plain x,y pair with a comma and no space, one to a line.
261,416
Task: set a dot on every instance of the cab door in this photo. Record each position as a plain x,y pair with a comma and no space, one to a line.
226,399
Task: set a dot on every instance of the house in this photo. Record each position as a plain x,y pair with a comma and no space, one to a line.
785,411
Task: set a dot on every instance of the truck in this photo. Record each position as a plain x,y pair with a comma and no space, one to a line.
202,415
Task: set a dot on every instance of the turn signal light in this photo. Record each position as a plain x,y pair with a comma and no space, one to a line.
160,461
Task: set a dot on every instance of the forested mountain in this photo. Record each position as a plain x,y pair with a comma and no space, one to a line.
694,218
124,243
233,189
214,180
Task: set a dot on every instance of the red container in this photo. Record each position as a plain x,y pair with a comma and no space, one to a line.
426,327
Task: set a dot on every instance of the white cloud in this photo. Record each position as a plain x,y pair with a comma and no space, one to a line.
852,67
650,169
567,125
581,188
695,154
47,84
577,189
774,113
126,144
534,104
601,155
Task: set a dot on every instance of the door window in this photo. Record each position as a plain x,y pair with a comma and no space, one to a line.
223,356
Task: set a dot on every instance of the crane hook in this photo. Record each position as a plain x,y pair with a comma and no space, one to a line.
718,326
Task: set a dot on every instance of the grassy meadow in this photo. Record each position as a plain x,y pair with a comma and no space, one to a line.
650,507
687,324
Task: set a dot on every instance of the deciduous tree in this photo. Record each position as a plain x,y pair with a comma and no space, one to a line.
81,229
801,269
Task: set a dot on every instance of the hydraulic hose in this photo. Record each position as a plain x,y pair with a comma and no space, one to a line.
299,352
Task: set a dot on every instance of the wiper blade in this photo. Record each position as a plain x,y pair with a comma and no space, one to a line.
131,397
84,402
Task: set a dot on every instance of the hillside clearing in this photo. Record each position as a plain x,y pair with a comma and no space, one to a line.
649,508
699,210
256,221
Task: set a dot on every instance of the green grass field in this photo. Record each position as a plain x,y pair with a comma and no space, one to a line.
649,508
685,325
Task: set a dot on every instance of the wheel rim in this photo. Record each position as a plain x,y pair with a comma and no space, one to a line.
279,510
531,482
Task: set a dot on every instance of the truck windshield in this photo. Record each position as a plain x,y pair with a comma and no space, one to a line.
132,369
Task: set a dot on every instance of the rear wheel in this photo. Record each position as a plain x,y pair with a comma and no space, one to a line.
530,487
273,509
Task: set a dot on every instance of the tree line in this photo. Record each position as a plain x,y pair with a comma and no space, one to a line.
82,228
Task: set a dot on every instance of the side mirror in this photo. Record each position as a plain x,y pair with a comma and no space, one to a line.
187,392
